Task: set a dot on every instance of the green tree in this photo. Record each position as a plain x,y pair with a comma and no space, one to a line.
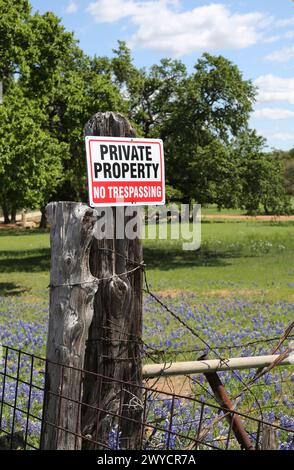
262,176
69,90
64,86
212,108
15,37
211,156
289,172
30,159
151,94
287,158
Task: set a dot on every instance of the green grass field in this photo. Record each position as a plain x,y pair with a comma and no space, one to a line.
251,259
243,259
237,288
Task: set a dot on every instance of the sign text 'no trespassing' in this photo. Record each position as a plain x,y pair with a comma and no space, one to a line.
125,171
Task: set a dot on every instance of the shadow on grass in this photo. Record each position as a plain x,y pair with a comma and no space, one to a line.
20,232
155,257
166,259
25,261
11,289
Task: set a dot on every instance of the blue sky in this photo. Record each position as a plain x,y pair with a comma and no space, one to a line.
258,35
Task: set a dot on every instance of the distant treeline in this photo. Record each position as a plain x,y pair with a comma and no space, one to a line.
288,161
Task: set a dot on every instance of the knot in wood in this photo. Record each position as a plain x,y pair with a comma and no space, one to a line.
69,259
119,291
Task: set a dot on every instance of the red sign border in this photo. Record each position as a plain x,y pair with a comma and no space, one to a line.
159,142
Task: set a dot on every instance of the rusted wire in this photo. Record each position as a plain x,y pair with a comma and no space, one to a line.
155,431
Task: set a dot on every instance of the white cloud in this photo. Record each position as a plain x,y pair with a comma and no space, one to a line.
162,25
289,35
282,55
277,135
109,11
72,7
273,113
285,136
271,39
285,22
273,89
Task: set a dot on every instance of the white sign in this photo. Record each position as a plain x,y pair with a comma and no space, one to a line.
125,171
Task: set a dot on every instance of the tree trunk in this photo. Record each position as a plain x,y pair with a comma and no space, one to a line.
43,221
266,210
72,289
5,211
188,201
13,215
114,344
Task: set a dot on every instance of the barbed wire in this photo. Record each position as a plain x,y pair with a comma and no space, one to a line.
153,353
247,385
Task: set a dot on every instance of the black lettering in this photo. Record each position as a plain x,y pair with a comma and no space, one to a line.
126,152
97,169
119,152
141,172
103,151
124,169
116,170
107,170
113,152
148,153
135,155
148,166
133,170
141,148
155,169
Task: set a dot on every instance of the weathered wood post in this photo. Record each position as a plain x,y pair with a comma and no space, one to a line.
72,289
114,343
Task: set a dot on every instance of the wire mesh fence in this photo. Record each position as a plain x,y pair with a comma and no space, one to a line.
159,415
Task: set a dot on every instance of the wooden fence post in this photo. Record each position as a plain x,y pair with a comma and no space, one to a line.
72,289
114,343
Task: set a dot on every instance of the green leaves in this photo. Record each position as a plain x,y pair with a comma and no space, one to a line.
51,89
263,186
15,35
30,159
150,95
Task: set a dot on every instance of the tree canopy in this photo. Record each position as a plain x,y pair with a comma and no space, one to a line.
48,81
51,88
30,158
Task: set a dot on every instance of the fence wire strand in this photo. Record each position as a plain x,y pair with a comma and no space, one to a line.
168,419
